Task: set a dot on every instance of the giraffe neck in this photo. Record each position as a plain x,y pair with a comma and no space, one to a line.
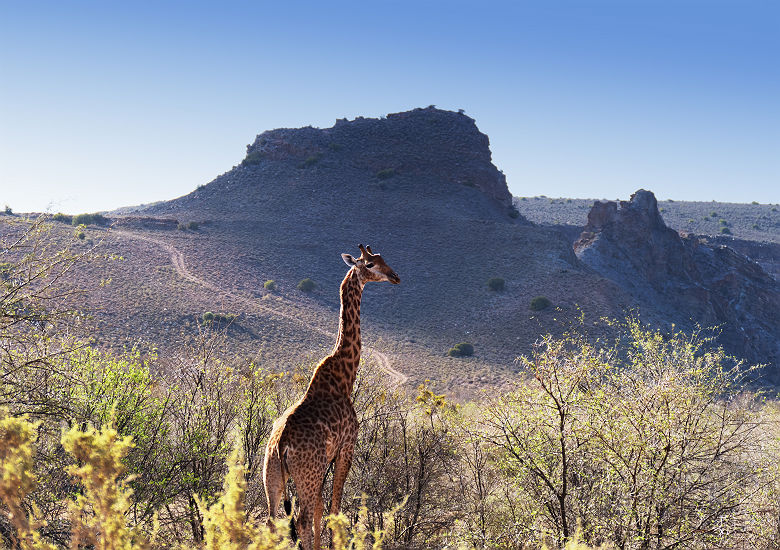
348,340
337,372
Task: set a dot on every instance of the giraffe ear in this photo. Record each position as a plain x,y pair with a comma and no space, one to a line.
348,259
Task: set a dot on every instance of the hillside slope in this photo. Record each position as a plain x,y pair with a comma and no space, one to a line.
419,187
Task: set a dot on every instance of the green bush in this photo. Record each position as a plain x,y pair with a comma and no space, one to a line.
211,317
60,217
335,147
725,230
193,226
255,157
463,349
386,173
540,302
713,214
311,160
496,284
89,219
754,202
723,222
270,285
307,285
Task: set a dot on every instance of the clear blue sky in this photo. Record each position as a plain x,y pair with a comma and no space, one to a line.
105,104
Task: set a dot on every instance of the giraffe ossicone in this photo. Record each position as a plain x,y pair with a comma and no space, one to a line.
321,428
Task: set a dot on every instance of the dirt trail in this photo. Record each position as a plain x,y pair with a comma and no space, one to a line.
177,259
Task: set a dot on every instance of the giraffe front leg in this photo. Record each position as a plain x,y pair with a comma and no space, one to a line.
340,470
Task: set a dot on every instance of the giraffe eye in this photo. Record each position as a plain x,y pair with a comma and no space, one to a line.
369,265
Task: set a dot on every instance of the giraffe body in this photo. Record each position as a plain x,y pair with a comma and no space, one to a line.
321,428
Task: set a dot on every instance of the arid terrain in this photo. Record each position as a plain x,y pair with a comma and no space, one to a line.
419,187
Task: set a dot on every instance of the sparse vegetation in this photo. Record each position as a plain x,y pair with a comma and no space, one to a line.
386,173
311,160
211,317
191,226
306,285
462,349
725,230
62,218
89,219
540,302
270,285
335,147
253,158
496,284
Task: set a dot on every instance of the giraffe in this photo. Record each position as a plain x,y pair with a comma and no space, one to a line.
321,428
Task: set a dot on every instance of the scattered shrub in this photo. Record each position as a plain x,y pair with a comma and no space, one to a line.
253,158
307,285
211,317
270,285
725,230
496,284
463,349
691,220
540,302
60,217
335,147
8,210
311,160
89,219
192,226
722,222
514,213
756,226
386,173
713,214
754,202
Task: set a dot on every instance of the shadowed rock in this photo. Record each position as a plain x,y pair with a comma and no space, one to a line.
690,280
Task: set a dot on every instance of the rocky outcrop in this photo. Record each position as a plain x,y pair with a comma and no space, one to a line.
425,143
690,281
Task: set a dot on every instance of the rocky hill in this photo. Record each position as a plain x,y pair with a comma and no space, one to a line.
693,281
419,187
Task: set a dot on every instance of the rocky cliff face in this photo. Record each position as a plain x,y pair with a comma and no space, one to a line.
423,143
691,281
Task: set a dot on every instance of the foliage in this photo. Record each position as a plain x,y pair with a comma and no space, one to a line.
17,480
253,158
496,284
270,285
540,303
306,285
643,442
98,514
462,349
311,160
725,230
514,213
211,317
89,219
64,218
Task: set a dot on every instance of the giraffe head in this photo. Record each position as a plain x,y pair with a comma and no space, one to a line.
371,267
